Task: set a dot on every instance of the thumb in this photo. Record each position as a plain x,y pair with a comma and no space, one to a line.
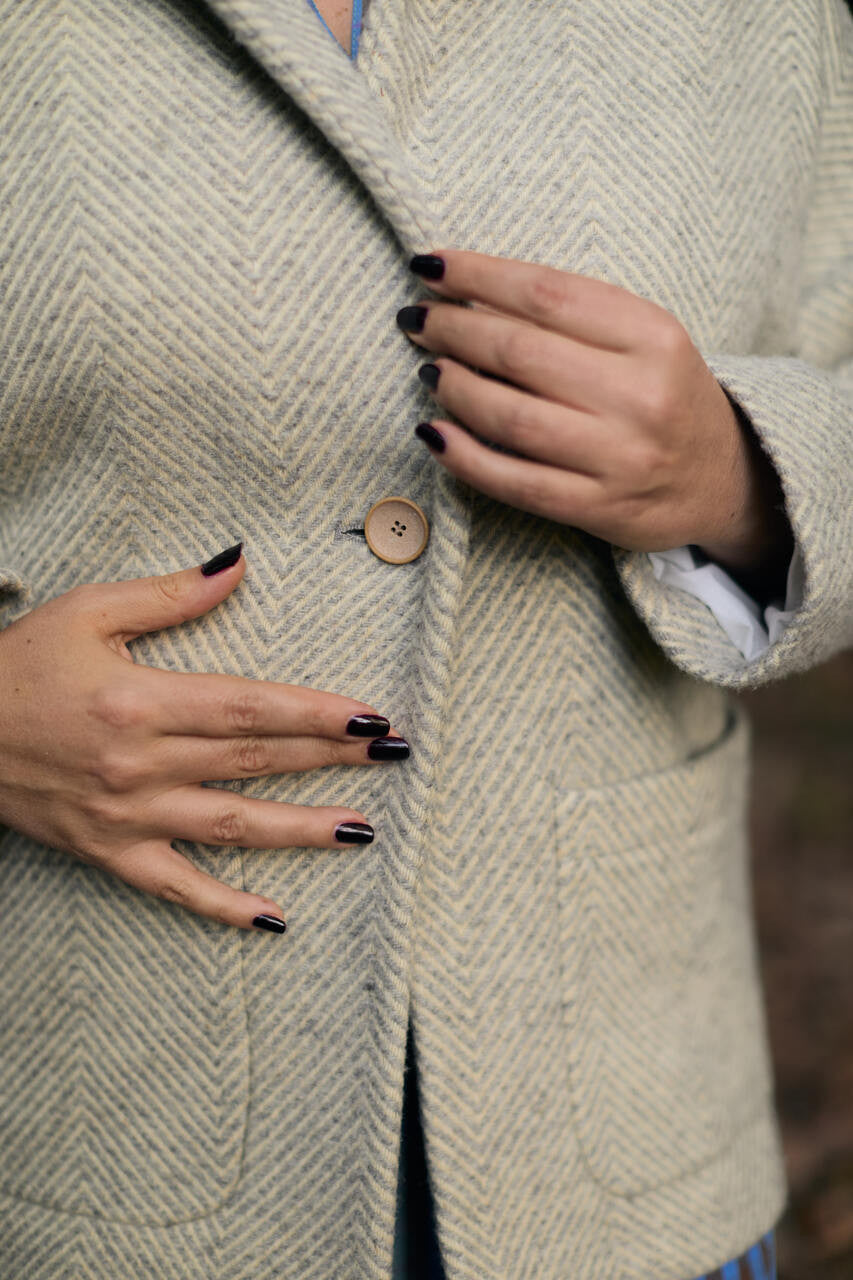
137,605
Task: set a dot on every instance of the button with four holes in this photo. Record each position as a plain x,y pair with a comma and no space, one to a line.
396,530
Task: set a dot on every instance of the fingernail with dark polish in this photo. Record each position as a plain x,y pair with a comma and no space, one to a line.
430,435
269,922
388,749
368,726
412,319
224,560
428,265
429,375
353,833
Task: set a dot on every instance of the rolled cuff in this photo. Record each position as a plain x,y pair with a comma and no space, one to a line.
751,628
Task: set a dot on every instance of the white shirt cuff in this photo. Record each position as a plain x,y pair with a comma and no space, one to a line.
750,629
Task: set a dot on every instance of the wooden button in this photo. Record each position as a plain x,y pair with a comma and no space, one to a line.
396,530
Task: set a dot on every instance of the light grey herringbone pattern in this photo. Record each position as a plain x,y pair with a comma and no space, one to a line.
647,1000
205,218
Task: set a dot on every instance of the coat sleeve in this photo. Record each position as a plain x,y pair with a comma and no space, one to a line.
801,408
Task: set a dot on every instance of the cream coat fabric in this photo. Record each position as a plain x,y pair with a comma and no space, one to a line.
205,222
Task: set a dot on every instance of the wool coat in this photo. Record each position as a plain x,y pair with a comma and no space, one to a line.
206,217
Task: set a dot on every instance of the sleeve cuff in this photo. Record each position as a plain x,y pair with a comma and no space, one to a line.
749,627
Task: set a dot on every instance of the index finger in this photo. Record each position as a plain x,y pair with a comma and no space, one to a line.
220,706
581,307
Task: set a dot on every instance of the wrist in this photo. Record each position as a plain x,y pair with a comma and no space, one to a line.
755,549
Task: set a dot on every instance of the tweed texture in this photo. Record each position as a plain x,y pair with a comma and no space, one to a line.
205,215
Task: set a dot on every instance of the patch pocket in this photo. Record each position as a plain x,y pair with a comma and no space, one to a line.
124,1050
662,1006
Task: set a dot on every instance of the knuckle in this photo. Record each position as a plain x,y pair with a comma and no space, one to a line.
331,752
167,588
242,711
531,494
656,399
545,296
522,428
101,811
315,723
517,354
118,706
228,827
647,463
252,755
119,773
672,339
176,888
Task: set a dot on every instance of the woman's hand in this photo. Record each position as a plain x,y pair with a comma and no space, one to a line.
616,423
103,759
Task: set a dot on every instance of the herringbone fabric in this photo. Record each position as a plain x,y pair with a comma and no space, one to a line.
205,218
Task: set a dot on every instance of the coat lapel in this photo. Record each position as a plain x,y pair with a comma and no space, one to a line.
287,38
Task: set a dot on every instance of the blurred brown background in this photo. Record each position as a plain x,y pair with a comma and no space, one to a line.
802,823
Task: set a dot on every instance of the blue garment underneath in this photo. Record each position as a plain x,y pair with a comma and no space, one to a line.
355,30
416,1251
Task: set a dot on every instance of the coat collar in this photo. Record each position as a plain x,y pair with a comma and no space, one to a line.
288,40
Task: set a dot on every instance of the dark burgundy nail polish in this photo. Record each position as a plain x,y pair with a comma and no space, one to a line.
412,319
388,749
368,726
429,375
224,560
353,833
269,922
431,435
428,265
